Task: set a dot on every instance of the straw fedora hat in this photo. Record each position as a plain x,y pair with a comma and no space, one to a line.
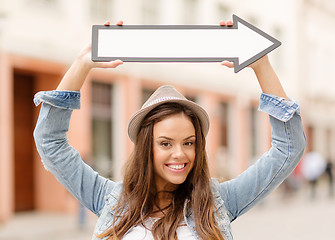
163,95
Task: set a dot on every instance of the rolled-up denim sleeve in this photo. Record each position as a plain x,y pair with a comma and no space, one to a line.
59,157
260,179
278,107
60,99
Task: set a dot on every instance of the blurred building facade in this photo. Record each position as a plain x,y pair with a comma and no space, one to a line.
40,38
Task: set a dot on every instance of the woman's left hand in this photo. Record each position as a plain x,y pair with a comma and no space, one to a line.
266,76
254,65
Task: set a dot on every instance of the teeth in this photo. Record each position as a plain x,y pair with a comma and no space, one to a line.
177,167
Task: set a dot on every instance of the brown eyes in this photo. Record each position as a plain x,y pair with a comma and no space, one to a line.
168,144
189,143
165,144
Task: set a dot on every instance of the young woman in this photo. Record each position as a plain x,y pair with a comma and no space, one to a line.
167,192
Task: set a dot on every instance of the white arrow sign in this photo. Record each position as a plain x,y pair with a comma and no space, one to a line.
241,43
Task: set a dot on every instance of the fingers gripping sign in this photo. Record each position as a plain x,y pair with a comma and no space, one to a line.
75,77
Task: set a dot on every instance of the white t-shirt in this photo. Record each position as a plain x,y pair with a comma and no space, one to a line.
143,233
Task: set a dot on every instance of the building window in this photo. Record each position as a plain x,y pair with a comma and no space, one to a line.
102,9
223,12
253,133
253,20
328,144
191,98
146,93
224,163
224,124
310,138
102,128
45,4
190,11
278,55
150,11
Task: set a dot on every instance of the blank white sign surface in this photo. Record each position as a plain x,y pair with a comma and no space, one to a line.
241,43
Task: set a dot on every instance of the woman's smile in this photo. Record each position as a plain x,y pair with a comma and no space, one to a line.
176,166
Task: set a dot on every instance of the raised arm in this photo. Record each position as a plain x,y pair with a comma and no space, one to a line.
267,78
288,144
50,135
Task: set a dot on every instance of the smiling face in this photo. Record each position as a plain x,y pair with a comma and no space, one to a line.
173,150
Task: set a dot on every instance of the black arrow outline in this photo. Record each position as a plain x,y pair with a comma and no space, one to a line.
236,20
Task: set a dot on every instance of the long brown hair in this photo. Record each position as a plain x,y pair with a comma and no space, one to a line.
138,196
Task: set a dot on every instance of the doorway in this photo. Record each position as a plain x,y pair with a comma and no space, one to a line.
23,142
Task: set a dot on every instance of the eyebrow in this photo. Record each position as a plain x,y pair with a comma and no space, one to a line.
171,139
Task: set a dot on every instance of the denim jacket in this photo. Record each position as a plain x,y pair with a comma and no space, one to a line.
232,198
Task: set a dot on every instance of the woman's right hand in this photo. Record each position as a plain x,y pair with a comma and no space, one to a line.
75,77
85,55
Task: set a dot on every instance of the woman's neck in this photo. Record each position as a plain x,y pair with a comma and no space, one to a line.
162,204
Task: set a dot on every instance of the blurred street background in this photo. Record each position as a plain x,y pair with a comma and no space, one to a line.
39,39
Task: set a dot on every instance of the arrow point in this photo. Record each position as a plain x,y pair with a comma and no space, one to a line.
255,43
